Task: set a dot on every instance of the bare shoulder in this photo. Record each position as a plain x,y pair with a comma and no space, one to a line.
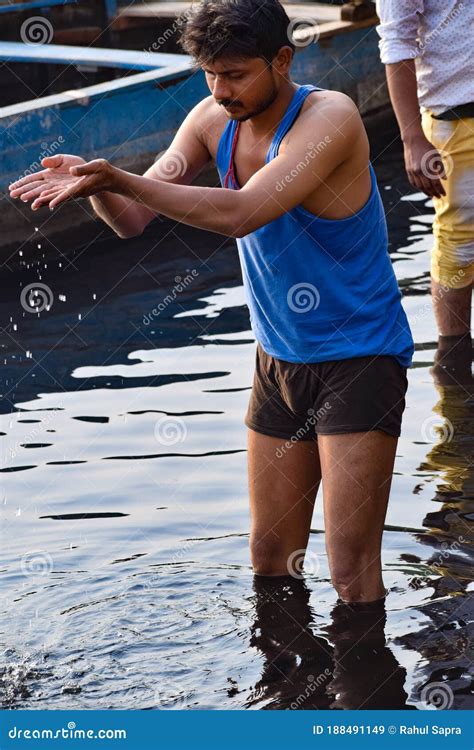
331,105
328,113
210,120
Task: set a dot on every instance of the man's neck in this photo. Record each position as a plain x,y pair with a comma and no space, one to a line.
267,122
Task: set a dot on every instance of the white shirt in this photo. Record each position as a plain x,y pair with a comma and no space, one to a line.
439,35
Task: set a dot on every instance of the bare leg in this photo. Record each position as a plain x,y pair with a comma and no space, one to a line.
452,309
283,483
357,473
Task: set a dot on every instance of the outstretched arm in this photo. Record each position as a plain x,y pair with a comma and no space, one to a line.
180,164
317,146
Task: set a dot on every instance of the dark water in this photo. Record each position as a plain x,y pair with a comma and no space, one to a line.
126,580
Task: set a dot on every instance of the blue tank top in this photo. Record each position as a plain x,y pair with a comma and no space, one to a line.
319,289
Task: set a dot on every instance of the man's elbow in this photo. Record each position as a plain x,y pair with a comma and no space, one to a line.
241,226
129,233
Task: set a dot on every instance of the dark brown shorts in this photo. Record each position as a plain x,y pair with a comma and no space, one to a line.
299,401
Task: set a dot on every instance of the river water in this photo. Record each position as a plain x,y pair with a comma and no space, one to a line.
126,581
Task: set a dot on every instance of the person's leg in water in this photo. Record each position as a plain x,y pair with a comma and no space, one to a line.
452,258
357,473
283,483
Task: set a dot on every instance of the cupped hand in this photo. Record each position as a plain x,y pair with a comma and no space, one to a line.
54,178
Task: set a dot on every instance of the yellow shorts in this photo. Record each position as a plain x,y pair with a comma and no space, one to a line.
452,259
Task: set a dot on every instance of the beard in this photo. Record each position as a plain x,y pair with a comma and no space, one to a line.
260,107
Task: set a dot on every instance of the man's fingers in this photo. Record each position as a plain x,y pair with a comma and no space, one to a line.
71,192
438,188
60,198
91,167
29,195
432,187
415,180
44,197
19,192
29,178
53,161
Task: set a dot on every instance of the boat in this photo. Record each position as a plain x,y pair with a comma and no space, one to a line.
126,104
129,119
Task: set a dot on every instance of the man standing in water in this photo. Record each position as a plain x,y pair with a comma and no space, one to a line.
300,195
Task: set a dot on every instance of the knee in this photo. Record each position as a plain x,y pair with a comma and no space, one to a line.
355,578
268,557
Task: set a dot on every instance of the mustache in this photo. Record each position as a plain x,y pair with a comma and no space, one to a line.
227,103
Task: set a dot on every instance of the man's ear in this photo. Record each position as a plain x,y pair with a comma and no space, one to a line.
283,59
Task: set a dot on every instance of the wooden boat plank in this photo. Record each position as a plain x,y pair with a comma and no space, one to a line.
317,11
326,17
31,4
100,56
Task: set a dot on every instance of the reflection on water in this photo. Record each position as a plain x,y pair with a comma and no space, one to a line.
126,574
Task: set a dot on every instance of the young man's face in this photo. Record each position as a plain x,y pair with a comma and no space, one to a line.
244,87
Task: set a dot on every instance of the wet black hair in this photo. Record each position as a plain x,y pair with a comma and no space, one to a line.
235,28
